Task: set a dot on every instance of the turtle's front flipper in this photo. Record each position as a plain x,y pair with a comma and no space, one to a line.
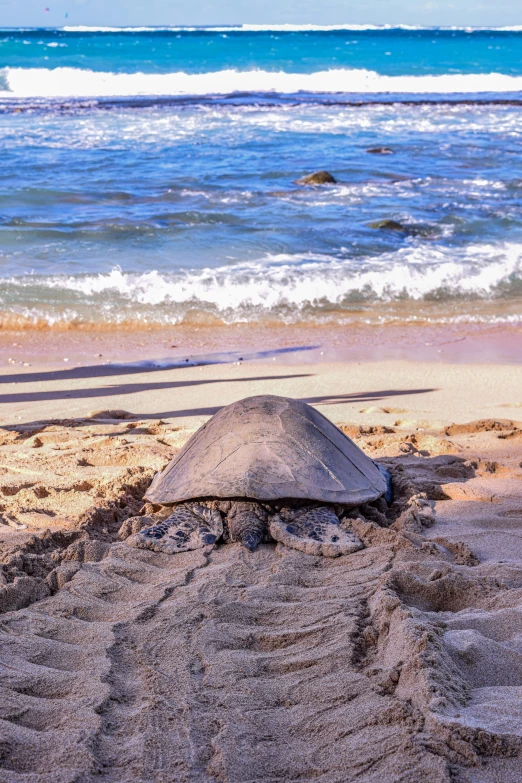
315,531
190,526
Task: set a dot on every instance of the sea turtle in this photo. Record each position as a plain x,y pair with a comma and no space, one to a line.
263,466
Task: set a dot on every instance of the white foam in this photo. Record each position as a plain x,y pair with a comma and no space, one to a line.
75,82
307,280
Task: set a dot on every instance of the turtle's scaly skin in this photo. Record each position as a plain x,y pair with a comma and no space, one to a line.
314,530
190,526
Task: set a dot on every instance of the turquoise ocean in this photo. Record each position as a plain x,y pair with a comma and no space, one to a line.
150,175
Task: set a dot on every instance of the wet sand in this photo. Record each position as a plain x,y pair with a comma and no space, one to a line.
400,662
87,346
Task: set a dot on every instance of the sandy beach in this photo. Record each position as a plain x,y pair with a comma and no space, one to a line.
400,662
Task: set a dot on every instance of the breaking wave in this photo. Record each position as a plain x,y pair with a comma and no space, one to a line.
76,82
284,287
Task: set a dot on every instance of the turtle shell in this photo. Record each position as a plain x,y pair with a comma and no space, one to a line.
269,448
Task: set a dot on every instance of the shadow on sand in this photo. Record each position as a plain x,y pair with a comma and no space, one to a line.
131,388
149,365
340,399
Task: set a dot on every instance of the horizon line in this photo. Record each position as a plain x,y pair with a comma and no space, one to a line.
268,27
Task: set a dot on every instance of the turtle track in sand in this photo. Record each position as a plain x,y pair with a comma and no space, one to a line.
159,669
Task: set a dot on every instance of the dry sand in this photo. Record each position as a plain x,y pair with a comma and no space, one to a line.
401,662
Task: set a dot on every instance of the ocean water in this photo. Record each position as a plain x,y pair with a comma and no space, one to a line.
150,176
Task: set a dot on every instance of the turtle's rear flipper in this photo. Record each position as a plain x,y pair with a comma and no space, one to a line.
188,527
315,531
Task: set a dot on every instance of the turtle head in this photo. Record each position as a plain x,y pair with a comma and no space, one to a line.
247,522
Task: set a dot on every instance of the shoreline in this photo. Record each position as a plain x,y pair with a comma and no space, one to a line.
195,345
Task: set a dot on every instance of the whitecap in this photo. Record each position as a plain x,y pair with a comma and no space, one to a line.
76,82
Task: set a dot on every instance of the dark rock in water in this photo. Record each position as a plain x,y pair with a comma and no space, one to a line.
317,178
380,151
389,225
418,230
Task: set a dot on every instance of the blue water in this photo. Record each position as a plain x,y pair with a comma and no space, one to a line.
150,176
391,52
